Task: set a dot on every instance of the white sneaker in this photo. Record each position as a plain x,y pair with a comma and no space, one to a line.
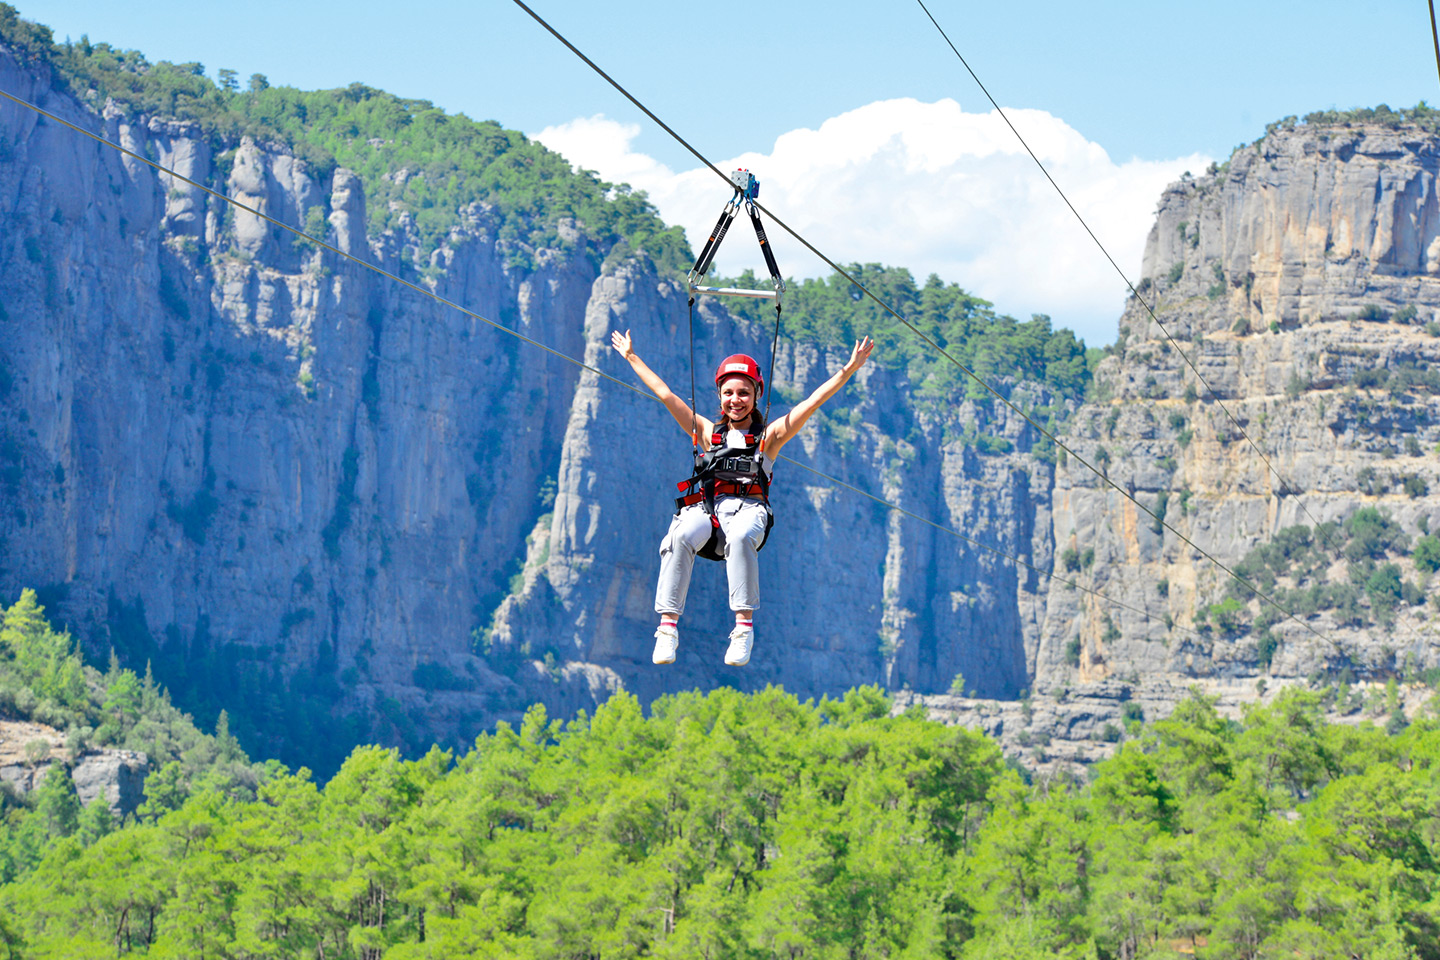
742,638
667,640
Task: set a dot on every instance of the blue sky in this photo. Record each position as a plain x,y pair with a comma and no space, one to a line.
1126,94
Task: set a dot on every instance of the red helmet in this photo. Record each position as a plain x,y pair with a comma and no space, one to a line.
740,365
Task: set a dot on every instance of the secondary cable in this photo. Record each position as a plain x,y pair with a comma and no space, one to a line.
1285,486
520,336
1255,591
303,235
1143,302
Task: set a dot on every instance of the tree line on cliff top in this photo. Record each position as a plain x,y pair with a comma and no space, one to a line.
733,825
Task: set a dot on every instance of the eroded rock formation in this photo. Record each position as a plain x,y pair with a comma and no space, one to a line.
1308,258
216,436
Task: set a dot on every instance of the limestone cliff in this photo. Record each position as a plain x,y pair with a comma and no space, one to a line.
1300,278
288,478
225,449
216,437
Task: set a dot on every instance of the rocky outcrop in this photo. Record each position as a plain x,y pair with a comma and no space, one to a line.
28,750
117,776
1307,258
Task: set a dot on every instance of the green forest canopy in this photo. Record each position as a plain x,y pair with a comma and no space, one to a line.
733,825
725,825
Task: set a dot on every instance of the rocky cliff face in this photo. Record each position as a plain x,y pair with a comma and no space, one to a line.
1300,279
218,439
215,438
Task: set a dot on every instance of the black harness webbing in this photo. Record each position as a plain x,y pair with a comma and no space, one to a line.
722,227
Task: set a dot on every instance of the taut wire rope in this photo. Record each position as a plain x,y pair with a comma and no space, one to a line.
1135,293
160,168
774,345
1254,591
690,326
1435,35
300,233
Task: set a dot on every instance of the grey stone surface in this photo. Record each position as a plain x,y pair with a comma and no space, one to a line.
1067,731
28,750
117,776
263,444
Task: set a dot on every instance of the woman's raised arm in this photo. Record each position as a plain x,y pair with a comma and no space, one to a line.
678,408
781,431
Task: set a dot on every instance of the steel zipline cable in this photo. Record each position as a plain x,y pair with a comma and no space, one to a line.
1435,36
1254,591
159,168
1284,485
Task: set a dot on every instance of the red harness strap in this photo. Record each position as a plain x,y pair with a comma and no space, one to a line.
724,488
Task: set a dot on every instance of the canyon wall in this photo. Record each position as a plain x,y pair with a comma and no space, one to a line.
216,436
1302,280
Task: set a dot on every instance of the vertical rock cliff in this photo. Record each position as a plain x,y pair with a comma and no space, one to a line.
292,482
1302,279
216,436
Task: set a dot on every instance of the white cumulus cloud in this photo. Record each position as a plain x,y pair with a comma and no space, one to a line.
925,186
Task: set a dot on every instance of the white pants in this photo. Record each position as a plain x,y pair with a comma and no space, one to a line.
744,524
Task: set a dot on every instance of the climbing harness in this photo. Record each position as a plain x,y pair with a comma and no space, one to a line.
728,471
724,470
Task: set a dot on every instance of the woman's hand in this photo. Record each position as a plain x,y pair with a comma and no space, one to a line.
678,408
859,355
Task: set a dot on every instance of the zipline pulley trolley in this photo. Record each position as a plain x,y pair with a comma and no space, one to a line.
747,188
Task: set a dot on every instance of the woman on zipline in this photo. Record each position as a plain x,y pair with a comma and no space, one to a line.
726,513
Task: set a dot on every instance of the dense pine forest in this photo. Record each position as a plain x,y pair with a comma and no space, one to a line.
726,825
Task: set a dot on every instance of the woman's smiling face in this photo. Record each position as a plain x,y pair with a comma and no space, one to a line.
737,397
